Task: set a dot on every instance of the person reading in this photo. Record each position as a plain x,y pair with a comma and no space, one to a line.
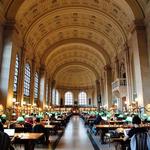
135,130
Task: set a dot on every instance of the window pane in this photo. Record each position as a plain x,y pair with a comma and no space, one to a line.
46,93
16,74
57,98
82,98
68,98
27,80
53,97
36,87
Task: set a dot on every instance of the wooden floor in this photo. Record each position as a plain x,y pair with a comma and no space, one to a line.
75,136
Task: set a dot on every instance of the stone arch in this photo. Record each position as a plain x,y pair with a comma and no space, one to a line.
76,63
13,7
78,40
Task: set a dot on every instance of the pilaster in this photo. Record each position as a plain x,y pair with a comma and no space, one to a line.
98,93
20,90
33,70
7,65
108,76
42,98
141,62
128,73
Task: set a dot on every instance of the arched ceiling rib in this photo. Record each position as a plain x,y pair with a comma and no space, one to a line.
75,53
73,38
76,41
12,6
75,76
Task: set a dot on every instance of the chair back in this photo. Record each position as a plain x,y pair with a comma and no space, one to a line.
28,127
39,128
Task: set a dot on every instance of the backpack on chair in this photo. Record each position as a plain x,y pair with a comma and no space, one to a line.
140,141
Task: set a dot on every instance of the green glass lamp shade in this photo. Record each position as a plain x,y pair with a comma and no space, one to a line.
101,113
20,119
144,116
148,118
108,115
3,116
40,116
120,116
129,119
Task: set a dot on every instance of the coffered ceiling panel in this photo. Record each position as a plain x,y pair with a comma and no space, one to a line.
74,39
44,22
76,33
32,10
75,54
75,76
53,29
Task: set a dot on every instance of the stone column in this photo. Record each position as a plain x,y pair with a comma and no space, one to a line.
128,74
53,83
1,44
108,74
7,65
20,90
102,91
116,68
98,93
138,42
49,92
1,38
42,92
33,70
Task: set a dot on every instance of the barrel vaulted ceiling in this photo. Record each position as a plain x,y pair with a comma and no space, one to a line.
74,39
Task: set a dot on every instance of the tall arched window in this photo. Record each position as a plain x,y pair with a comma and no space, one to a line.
16,75
68,98
36,87
82,98
53,96
57,98
27,79
47,93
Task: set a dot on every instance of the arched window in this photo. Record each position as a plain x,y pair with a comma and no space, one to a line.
27,79
82,98
16,75
68,98
47,93
57,98
36,87
122,71
53,96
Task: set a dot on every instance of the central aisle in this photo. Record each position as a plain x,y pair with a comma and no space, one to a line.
75,136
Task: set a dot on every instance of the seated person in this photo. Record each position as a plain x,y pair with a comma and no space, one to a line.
99,120
39,128
136,121
2,123
1,127
28,126
5,142
52,117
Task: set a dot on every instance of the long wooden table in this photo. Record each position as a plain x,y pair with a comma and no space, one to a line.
109,126
27,139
